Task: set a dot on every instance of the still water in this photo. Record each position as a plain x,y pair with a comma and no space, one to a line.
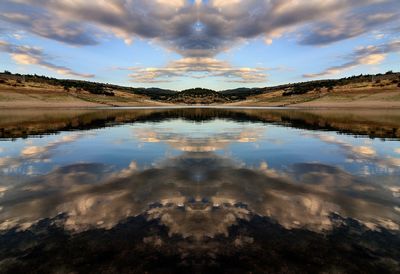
199,191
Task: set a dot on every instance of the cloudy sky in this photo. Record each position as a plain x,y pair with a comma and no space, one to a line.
217,44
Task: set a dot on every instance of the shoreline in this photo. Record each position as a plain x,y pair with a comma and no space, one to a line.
375,123
377,106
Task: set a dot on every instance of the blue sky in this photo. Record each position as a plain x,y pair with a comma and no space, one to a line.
216,44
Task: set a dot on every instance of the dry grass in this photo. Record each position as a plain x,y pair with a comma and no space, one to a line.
32,95
360,95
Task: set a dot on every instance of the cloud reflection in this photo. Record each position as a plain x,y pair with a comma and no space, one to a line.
199,194
361,154
34,154
212,142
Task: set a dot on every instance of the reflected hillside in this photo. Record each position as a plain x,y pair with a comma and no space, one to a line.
372,123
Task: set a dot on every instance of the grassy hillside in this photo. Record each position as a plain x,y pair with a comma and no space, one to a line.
381,90
40,91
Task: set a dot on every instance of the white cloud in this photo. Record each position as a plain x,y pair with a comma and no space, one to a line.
370,55
202,29
198,67
27,55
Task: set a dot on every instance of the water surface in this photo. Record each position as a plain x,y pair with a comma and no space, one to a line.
199,190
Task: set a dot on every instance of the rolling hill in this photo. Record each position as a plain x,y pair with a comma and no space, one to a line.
380,90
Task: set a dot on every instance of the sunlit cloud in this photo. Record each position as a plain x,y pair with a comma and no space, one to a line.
27,55
175,21
200,31
198,67
370,55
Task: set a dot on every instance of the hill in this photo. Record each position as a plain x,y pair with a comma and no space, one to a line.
18,90
380,90
370,91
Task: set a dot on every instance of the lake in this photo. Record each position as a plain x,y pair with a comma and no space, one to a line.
199,190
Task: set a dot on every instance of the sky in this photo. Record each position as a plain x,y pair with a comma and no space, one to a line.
217,44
